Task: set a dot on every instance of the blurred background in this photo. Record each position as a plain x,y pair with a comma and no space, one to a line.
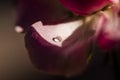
14,60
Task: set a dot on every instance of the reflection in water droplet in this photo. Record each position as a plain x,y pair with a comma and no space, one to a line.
57,39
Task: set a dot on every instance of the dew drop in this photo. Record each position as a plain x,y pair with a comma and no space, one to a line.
57,39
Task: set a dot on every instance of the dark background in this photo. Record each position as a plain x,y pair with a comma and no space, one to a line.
14,60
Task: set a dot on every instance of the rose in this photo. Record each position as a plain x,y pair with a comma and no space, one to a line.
62,48
67,57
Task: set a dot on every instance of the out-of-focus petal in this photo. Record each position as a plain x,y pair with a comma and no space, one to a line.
84,7
108,29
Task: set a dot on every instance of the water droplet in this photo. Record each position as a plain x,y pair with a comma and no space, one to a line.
57,39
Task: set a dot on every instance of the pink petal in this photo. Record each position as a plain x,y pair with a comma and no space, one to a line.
108,32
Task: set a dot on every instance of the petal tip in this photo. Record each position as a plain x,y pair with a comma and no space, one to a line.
19,29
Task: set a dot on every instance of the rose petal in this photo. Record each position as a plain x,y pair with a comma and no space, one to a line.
108,30
68,60
84,7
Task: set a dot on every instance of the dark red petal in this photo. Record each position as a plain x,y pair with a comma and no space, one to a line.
84,7
68,60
